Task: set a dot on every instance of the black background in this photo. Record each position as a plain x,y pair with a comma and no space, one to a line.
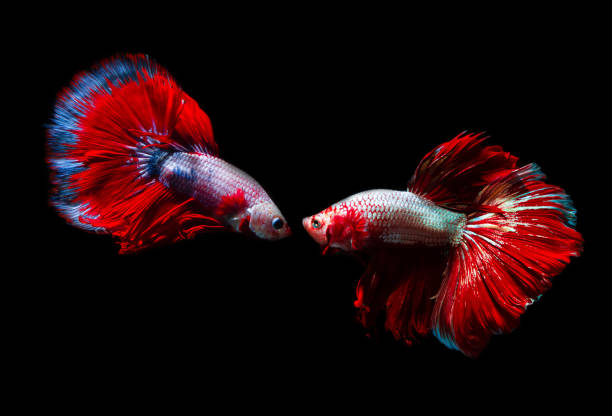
315,112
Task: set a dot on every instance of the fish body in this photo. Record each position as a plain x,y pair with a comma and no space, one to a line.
387,217
461,253
223,191
132,155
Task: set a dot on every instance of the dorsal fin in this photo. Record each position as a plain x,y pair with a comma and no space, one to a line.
453,173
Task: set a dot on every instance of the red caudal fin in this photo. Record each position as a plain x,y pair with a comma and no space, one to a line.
453,173
402,282
520,235
108,128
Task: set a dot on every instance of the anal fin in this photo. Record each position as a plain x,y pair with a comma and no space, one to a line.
403,283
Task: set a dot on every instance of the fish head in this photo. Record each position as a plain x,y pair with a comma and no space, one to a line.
337,227
317,225
266,221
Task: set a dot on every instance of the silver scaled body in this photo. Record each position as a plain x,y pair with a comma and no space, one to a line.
209,179
403,218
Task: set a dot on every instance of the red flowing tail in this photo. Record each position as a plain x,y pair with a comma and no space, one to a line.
518,237
519,234
108,130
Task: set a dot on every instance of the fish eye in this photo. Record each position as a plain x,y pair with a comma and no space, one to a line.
277,223
316,224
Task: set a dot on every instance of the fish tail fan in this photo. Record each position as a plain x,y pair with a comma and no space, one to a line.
109,130
519,234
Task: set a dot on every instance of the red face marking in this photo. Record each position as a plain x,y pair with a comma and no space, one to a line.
337,227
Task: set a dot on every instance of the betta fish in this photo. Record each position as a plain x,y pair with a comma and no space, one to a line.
461,253
132,155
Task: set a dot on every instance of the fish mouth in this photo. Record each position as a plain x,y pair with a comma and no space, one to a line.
279,234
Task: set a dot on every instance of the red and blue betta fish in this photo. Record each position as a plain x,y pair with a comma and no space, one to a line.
463,252
133,155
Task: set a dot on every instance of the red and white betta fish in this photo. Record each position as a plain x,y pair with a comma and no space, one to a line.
133,155
463,252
